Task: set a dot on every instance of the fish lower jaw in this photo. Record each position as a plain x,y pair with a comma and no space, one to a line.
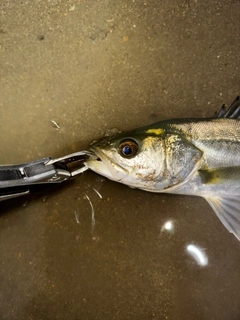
107,171
98,167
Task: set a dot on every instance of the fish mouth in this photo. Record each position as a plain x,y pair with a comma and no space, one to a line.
104,166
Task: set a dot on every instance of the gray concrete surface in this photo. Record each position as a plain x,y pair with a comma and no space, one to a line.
92,65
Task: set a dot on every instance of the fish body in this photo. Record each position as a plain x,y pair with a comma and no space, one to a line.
199,157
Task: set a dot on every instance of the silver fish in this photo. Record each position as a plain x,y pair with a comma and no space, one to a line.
199,157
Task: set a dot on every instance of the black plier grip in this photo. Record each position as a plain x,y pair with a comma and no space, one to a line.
16,180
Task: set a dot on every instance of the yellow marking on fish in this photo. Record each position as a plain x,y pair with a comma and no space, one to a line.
214,176
148,142
155,131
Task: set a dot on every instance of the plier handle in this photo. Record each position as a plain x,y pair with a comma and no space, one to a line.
17,180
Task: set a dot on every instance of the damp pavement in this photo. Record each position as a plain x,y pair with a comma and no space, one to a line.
70,70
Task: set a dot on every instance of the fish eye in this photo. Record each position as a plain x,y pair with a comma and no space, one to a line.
128,148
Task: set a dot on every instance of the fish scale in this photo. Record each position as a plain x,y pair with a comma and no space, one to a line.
219,140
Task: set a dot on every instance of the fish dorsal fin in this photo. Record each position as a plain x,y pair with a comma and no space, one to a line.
233,112
228,211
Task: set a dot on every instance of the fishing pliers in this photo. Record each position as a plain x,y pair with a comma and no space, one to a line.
18,180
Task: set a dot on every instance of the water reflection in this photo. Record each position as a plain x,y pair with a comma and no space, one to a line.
198,254
168,226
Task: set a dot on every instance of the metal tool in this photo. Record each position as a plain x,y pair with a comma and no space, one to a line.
17,180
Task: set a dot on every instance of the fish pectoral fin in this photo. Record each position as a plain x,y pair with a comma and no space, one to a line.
228,211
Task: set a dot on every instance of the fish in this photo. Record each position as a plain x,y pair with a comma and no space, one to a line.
190,156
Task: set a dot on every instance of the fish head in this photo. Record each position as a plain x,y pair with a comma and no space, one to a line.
144,158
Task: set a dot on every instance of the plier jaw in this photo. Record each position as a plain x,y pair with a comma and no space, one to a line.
17,180
73,159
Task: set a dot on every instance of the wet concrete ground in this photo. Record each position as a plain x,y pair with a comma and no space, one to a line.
90,66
